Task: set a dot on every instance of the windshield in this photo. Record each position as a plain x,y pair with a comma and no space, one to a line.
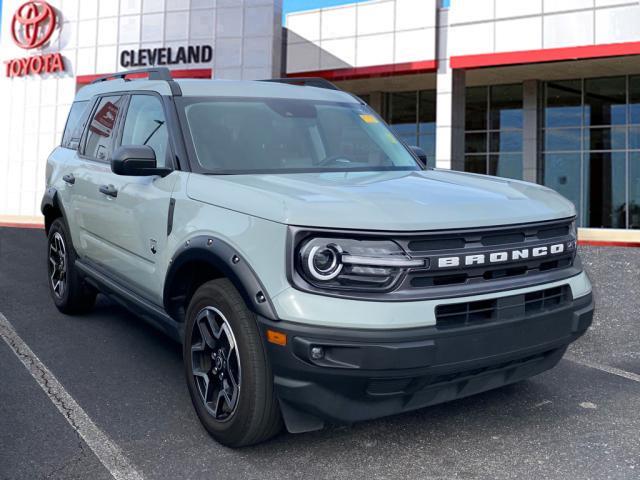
266,135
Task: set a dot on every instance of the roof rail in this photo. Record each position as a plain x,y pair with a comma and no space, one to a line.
154,73
318,82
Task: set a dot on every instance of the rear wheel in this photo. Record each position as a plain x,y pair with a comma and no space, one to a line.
227,369
68,290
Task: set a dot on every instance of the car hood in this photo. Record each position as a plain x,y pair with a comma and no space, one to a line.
410,201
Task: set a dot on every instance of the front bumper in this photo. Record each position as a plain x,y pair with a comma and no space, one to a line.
367,374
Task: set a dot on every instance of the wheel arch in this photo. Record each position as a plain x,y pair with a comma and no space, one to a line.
203,258
51,208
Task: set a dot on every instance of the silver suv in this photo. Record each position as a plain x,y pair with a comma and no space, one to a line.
311,266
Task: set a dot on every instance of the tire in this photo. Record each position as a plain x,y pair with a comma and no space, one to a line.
235,417
67,289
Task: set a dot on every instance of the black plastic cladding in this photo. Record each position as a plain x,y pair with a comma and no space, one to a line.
404,291
223,257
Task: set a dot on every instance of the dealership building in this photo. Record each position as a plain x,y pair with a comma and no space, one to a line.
546,91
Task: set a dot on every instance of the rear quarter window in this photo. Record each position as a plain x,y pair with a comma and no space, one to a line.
75,124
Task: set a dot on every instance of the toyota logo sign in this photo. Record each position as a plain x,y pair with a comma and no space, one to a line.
33,24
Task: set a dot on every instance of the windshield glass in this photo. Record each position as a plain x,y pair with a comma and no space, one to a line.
266,135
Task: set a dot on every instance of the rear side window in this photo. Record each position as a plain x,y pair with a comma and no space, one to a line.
102,128
75,124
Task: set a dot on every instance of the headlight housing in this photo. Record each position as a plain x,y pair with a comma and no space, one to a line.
351,264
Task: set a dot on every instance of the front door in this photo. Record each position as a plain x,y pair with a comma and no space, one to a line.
133,234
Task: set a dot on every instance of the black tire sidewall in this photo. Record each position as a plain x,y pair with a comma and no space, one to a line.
253,375
58,226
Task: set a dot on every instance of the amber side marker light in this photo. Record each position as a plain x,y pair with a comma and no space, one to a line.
278,338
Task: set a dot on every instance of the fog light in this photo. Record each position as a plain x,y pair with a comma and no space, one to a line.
317,353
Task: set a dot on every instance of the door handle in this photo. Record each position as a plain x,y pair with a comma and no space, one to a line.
109,190
69,178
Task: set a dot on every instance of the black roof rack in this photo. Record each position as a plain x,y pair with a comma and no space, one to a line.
318,82
154,73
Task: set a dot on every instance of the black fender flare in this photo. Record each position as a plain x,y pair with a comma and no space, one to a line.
51,201
228,261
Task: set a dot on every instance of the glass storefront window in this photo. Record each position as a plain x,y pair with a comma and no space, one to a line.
475,116
427,123
493,139
563,104
562,173
605,101
412,115
506,107
633,185
591,140
562,139
605,199
508,165
403,115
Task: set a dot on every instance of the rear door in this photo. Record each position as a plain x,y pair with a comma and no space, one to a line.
91,211
130,230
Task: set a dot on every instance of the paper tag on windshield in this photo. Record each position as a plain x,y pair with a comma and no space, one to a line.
368,118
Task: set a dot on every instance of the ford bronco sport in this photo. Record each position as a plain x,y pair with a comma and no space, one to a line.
311,266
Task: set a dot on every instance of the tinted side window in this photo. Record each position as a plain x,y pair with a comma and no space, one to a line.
102,128
145,125
75,124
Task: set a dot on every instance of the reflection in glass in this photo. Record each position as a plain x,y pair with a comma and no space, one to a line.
605,190
605,138
634,100
476,142
506,107
562,139
605,101
506,141
475,164
403,113
508,165
563,104
427,124
634,138
634,189
562,174
476,108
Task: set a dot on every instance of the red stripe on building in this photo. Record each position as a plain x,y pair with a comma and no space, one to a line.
427,66
195,73
21,225
545,55
605,243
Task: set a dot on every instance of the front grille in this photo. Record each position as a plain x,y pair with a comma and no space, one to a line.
456,315
462,244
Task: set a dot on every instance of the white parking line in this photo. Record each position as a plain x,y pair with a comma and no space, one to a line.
109,454
604,368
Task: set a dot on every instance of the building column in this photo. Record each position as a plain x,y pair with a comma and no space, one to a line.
530,137
450,104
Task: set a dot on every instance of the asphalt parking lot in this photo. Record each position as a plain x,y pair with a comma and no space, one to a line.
580,420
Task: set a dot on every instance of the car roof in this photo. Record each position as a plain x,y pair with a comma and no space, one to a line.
218,88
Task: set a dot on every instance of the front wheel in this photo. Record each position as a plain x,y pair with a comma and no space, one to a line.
227,369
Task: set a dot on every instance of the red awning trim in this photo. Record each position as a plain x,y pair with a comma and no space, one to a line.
195,73
426,66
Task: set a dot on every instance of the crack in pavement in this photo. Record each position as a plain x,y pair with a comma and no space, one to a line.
107,452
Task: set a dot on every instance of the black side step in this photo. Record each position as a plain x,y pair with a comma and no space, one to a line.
151,313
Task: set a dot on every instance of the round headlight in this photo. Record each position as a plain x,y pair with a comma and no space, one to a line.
323,262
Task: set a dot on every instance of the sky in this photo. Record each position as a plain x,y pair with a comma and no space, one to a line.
299,5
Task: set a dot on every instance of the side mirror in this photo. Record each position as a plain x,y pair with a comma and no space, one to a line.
420,154
136,161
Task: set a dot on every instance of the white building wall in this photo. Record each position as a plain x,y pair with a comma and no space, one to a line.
495,26
246,36
377,32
